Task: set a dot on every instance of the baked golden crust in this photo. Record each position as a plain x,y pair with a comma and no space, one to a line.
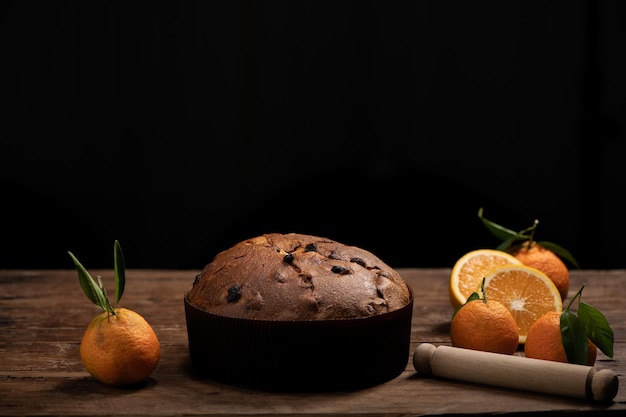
297,277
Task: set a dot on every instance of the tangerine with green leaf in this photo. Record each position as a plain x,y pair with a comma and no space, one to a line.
486,325
545,256
569,337
119,347
544,341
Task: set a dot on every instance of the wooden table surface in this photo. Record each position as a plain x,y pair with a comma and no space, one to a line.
43,314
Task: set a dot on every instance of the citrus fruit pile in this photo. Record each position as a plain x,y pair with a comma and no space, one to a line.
119,347
526,292
523,282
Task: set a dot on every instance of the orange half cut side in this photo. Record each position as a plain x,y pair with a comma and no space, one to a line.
527,292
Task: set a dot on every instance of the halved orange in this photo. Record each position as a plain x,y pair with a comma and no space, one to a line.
469,271
527,292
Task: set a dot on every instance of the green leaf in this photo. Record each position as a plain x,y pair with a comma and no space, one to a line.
106,297
473,296
574,338
498,231
91,289
560,251
597,328
507,243
120,274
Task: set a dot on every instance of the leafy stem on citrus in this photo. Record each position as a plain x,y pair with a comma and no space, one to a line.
95,290
531,236
510,237
590,324
482,290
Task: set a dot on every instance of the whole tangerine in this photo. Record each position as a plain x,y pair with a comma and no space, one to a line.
544,340
484,325
534,255
120,348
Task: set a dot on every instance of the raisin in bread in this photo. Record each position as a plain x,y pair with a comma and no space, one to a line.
297,277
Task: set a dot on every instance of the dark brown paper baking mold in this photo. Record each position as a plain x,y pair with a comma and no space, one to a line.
300,356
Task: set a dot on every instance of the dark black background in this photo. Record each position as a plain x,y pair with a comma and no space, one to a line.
180,128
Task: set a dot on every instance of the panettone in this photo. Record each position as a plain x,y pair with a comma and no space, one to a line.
277,310
297,277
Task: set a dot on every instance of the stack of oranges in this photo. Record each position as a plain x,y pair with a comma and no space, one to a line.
523,282
526,292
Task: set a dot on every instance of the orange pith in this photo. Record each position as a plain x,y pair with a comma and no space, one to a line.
526,292
489,327
120,349
471,268
544,341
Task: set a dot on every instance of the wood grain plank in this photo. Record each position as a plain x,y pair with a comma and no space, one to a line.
44,313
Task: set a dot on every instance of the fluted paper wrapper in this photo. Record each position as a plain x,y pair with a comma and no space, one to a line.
314,356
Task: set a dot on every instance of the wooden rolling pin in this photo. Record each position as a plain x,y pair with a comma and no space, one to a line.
517,372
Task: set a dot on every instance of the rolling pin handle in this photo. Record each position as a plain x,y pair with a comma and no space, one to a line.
604,385
421,358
